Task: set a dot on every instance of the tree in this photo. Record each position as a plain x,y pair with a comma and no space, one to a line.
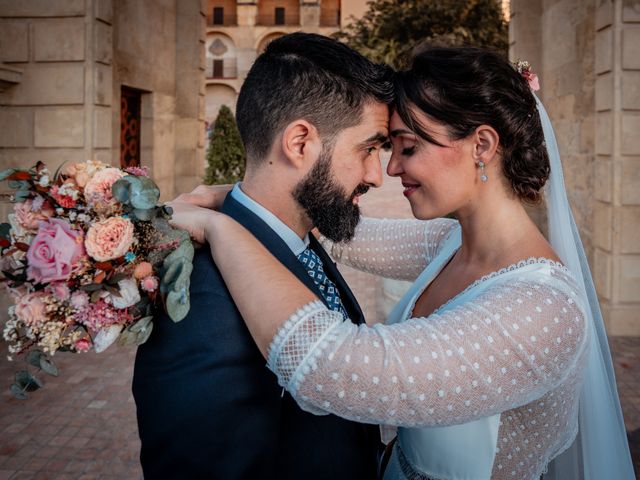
225,156
391,29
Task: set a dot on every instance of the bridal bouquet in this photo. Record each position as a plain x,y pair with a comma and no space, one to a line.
86,257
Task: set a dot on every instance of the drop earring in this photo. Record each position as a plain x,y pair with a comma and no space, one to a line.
483,176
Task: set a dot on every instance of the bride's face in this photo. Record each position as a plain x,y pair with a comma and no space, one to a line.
438,180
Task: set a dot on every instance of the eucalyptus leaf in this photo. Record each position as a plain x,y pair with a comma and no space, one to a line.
34,356
184,278
27,381
170,275
92,287
178,304
120,190
6,173
21,195
19,184
141,325
5,229
144,193
127,338
48,367
184,252
136,334
144,214
18,392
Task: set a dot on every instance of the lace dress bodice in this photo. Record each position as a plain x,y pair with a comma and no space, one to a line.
513,343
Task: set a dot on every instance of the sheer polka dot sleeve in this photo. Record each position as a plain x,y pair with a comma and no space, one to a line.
392,248
514,342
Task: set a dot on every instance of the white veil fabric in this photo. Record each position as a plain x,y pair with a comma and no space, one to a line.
601,449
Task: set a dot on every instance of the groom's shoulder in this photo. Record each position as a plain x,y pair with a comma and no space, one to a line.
205,274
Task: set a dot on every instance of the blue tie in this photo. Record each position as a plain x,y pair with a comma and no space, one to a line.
314,267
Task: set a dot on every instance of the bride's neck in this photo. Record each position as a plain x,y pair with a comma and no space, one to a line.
497,231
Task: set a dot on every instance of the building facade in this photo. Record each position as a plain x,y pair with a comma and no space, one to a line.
587,54
239,30
121,81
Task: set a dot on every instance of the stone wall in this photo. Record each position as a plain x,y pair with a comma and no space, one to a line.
73,57
586,53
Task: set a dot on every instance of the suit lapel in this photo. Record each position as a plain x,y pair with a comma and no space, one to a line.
272,242
349,301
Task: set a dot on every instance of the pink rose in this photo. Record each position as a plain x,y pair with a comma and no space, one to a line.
54,252
29,217
31,309
98,188
149,284
109,239
82,344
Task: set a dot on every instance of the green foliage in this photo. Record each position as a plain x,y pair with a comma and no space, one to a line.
391,29
226,155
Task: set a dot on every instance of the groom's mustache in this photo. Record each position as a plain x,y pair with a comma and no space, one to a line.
360,190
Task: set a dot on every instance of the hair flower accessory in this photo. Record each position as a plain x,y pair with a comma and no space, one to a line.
524,69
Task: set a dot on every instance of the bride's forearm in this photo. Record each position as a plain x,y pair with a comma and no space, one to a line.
264,291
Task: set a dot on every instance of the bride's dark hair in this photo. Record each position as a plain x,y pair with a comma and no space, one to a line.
465,87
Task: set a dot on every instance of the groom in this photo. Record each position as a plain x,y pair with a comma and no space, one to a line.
313,115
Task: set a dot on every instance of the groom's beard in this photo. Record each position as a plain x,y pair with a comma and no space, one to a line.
328,205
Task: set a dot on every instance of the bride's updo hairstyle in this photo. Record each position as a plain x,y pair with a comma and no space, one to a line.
465,87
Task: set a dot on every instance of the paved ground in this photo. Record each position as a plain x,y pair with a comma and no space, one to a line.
82,425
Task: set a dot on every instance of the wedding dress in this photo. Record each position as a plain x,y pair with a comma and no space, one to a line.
496,383
487,383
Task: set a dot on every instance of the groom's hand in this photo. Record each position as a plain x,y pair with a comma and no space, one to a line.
206,196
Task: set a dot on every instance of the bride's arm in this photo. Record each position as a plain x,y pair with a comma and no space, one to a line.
510,346
392,248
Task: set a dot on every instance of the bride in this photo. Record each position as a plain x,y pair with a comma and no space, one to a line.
495,363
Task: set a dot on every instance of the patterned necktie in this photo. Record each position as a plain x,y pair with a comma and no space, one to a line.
314,267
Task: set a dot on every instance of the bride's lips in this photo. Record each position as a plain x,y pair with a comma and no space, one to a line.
409,188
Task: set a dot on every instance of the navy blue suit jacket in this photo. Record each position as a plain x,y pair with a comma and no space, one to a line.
209,408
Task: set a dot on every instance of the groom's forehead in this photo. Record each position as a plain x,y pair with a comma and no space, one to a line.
374,122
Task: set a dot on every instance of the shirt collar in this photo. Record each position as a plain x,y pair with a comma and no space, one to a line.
293,241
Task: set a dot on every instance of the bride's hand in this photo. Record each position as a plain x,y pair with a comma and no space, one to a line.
193,219
206,196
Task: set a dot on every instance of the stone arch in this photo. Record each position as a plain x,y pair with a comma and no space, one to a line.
221,56
262,43
217,95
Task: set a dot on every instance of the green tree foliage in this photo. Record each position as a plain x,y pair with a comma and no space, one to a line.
225,156
391,29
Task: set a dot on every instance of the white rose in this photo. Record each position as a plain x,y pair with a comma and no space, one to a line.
105,337
129,294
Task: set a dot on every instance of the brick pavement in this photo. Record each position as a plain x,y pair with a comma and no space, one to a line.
82,424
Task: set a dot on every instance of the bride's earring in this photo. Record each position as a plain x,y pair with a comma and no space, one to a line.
483,176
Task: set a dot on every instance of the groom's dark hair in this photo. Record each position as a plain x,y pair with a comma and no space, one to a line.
308,76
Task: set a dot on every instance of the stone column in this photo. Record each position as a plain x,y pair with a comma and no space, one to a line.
525,40
617,186
190,108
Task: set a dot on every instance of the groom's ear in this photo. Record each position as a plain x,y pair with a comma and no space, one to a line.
301,144
486,143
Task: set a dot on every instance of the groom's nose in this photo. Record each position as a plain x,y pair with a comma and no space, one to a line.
373,172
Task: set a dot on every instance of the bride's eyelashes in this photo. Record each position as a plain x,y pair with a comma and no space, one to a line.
408,151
